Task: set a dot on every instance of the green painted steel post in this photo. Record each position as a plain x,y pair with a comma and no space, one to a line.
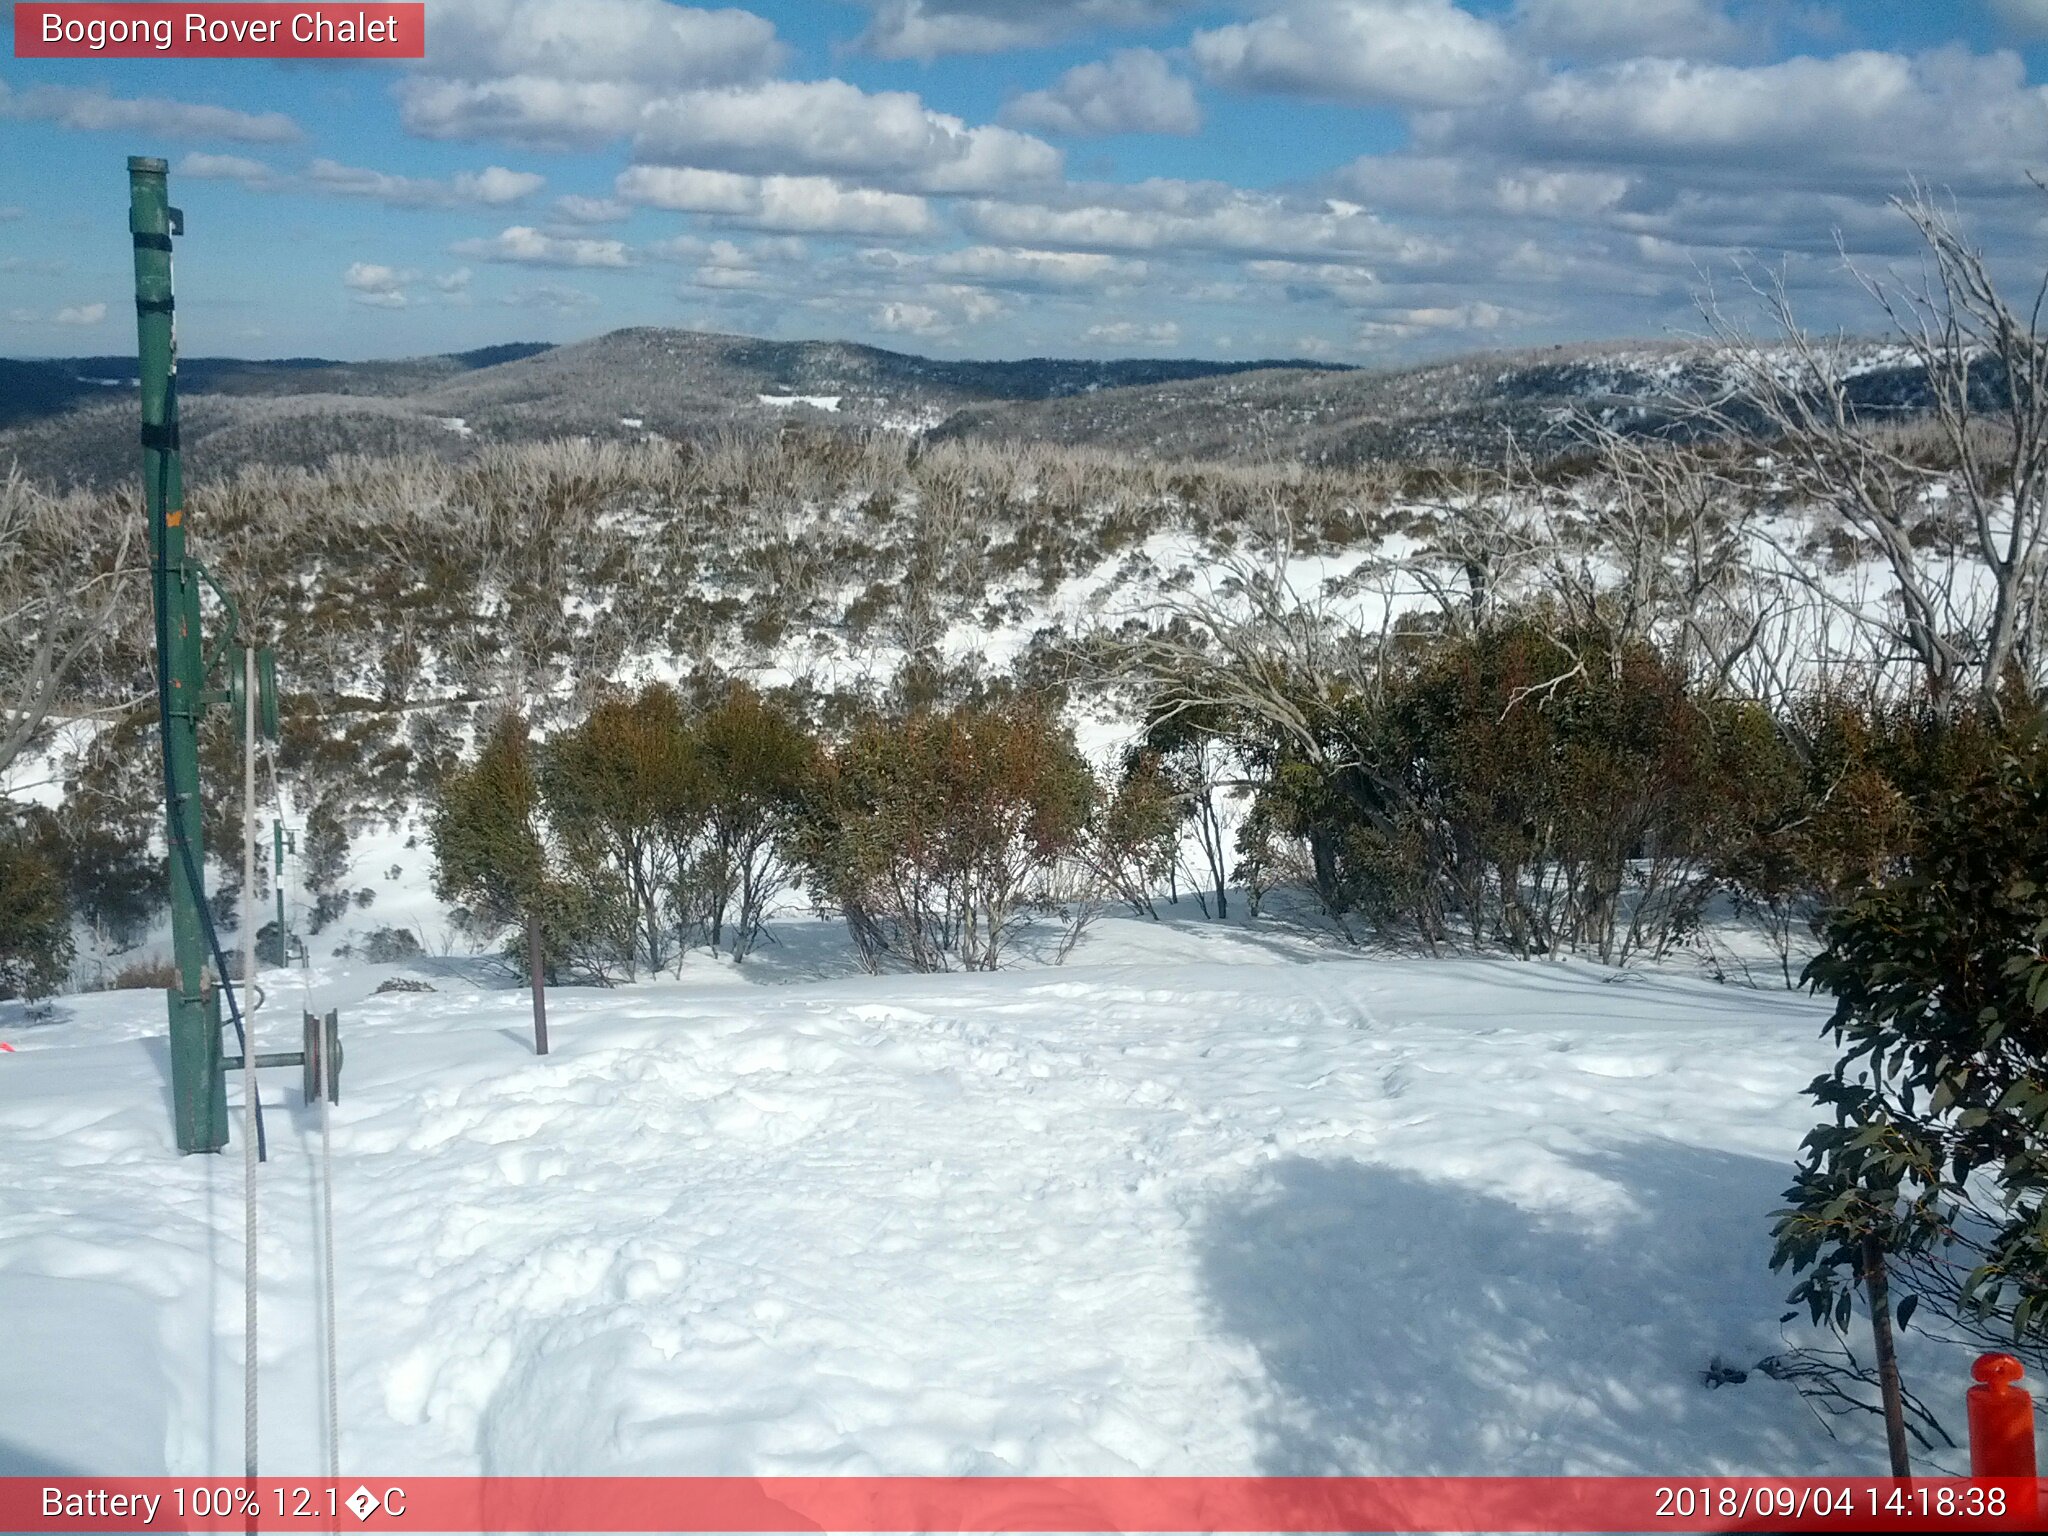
198,1082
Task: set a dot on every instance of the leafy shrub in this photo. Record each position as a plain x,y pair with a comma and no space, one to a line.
1937,1145
935,834
390,946
35,919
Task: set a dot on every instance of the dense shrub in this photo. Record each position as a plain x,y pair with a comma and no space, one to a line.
936,835
35,919
1530,789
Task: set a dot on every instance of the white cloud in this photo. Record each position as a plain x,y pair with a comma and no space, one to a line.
1451,185
1166,215
551,296
1030,268
1162,333
794,204
80,314
526,109
371,277
95,111
1342,282
828,127
453,282
379,286
558,76
523,245
574,208
2029,18
11,212
926,29
1130,92
1603,29
728,253
492,187
1963,118
1399,52
661,45
917,319
225,168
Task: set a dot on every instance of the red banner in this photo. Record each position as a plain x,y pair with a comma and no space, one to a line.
220,31
1056,1504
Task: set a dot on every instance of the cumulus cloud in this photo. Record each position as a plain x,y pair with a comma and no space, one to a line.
926,29
1126,333
492,187
651,41
377,285
561,76
794,204
1423,53
227,168
551,296
917,319
1022,267
1482,185
79,315
1602,29
574,208
828,127
523,245
96,111
2029,18
1130,92
1861,117
1166,215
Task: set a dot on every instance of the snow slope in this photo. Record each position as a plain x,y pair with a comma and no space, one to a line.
1204,1200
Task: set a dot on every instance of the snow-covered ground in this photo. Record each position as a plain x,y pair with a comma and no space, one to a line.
1203,1200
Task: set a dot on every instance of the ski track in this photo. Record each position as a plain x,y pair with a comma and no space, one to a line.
1269,1213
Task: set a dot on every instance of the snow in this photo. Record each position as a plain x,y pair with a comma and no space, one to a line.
1207,1199
816,402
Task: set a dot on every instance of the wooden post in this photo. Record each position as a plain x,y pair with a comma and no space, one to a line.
539,977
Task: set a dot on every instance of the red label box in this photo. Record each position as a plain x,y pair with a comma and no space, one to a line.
365,30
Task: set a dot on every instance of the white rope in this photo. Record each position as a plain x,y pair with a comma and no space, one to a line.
327,1247
248,1067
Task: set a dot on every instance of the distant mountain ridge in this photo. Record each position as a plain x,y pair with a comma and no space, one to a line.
68,419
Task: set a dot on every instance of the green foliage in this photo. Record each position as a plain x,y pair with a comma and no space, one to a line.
35,920
1135,833
1937,1147
757,770
488,855
934,834
627,795
1525,788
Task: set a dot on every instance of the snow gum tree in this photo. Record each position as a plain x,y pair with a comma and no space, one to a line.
1931,1175
488,850
757,771
935,834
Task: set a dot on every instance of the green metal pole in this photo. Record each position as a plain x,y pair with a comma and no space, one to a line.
198,1085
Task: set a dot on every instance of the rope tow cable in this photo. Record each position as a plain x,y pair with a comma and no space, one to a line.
249,1072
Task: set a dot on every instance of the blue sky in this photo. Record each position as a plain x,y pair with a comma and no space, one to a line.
1362,180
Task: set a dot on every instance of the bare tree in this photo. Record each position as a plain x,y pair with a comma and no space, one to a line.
63,575
1963,539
